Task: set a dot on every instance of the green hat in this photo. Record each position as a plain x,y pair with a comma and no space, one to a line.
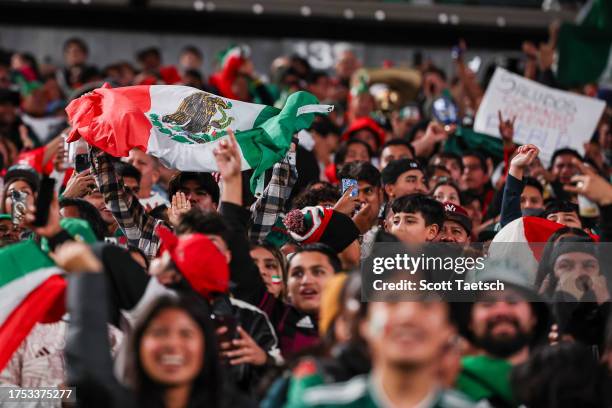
6,217
77,228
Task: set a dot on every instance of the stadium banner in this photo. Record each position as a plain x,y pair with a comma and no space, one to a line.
546,117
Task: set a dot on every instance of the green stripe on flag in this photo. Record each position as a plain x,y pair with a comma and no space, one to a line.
584,53
267,113
466,139
19,259
269,141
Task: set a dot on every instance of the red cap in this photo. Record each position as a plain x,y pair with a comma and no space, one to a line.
458,214
365,123
198,260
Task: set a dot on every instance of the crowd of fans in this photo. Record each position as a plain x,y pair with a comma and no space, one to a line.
185,290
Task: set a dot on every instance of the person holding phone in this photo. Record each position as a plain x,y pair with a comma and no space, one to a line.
21,184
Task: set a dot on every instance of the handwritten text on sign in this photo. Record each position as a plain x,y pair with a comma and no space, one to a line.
546,117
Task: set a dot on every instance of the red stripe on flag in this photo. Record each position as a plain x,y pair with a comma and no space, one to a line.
46,304
538,230
112,119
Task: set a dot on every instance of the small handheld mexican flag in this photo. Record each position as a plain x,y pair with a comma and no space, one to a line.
31,291
181,125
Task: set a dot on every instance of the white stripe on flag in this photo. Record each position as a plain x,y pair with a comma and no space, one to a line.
13,293
302,110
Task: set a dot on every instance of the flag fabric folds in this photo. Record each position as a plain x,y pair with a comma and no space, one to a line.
32,290
181,125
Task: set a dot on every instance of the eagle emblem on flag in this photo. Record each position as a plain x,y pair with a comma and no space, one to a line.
195,120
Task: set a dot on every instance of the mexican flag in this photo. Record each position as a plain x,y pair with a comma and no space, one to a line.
585,48
524,238
31,291
181,125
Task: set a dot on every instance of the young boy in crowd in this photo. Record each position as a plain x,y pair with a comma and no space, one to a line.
416,219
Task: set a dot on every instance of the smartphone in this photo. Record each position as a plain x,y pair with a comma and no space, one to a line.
347,183
43,201
231,323
19,206
81,162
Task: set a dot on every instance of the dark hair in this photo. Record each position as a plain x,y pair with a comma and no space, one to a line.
343,150
191,49
545,267
430,170
556,206
448,156
204,222
148,52
315,75
88,213
321,248
127,170
280,258
562,375
561,152
399,142
468,197
324,126
205,180
360,171
432,69
533,182
9,97
207,386
448,182
431,210
78,42
194,73
481,158
315,196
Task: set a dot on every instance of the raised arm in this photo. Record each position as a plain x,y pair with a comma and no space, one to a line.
136,224
275,197
88,350
244,273
511,201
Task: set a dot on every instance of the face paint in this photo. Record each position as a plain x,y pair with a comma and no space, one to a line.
377,323
277,279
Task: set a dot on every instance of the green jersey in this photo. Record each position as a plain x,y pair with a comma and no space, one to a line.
361,392
486,378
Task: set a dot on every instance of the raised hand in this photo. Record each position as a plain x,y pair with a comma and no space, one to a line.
53,222
75,257
524,157
347,204
79,185
506,128
180,205
227,155
243,350
590,184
